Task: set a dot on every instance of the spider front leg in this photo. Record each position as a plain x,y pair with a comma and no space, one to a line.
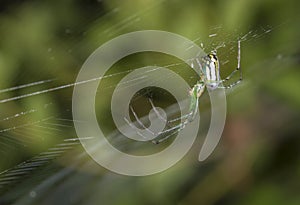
238,69
195,94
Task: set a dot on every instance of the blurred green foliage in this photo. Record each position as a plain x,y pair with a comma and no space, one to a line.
257,161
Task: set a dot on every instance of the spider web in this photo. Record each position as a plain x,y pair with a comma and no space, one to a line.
29,125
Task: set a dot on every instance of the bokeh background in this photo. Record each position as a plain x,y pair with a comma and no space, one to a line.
43,45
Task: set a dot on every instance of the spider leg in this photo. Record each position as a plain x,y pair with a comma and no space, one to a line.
138,121
160,116
238,69
180,118
195,93
165,120
133,127
176,129
165,138
156,111
170,129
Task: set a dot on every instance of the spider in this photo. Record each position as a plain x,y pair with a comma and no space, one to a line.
209,78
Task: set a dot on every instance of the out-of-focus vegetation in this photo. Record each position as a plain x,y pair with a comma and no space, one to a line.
257,160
